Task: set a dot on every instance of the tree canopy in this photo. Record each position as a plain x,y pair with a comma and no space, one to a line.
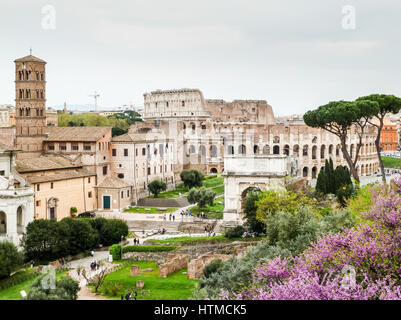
157,186
339,118
192,178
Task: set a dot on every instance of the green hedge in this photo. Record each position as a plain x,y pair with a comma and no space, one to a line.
142,248
115,251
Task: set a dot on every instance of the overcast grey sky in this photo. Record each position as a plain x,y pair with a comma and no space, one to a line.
294,54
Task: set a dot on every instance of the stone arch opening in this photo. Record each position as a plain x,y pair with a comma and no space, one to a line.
314,172
314,151
276,150
213,151
192,149
322,151
3,222
245,193
213,170
20,222
230,149
331,149
305,172
286,150
305,150
242,149
266,149
255,149
295,150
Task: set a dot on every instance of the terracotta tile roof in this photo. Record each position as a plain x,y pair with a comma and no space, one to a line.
123,138
44,163
112,183
140,137
29,58
85,134
63,175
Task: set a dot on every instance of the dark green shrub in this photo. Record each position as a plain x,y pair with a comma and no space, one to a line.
115,251
16,278
157,186
212,267
201,196
236,232
66,289
191,178
10,259
80,234
344,193
41,241
113,231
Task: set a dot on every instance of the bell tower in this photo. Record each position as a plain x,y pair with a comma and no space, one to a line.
30,105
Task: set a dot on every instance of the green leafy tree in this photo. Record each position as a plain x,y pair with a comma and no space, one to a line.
157,186
40,240
65,289
10,259
387,104
80,234
250,208
113,231
191,178
202,197
235,232
271,202
212,267
339,118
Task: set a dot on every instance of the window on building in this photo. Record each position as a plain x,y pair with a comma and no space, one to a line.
89,180
50,147
87,147
105,170
127,193
2,173
63,147
161,169
90,194
148,171
143,151
38,187
136,152
51,185
183,103
121,175
113,152
125,152
122,194
38,202
74,146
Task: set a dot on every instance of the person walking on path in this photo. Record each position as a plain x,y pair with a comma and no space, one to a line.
135,295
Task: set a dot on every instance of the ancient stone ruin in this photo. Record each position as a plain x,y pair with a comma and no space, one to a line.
196,266
175,261
135,270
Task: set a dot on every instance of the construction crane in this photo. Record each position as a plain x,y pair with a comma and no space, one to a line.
96,95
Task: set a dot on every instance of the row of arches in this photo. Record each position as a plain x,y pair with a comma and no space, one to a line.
26,112
363,169
4,223
26,94
28,75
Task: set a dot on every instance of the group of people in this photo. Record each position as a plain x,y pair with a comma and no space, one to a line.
161,231
171,217
202,215
136,241
186,213
95,265
128,296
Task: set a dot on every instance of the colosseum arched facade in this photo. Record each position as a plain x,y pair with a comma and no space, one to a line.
207,130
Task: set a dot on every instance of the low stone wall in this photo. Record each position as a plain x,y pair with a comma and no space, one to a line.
175,261
196,266
159,257
164,202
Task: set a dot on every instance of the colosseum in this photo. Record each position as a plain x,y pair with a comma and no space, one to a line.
207,130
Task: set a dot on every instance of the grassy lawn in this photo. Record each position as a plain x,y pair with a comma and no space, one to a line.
389,162
176,286
214,212
216,183
149,210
